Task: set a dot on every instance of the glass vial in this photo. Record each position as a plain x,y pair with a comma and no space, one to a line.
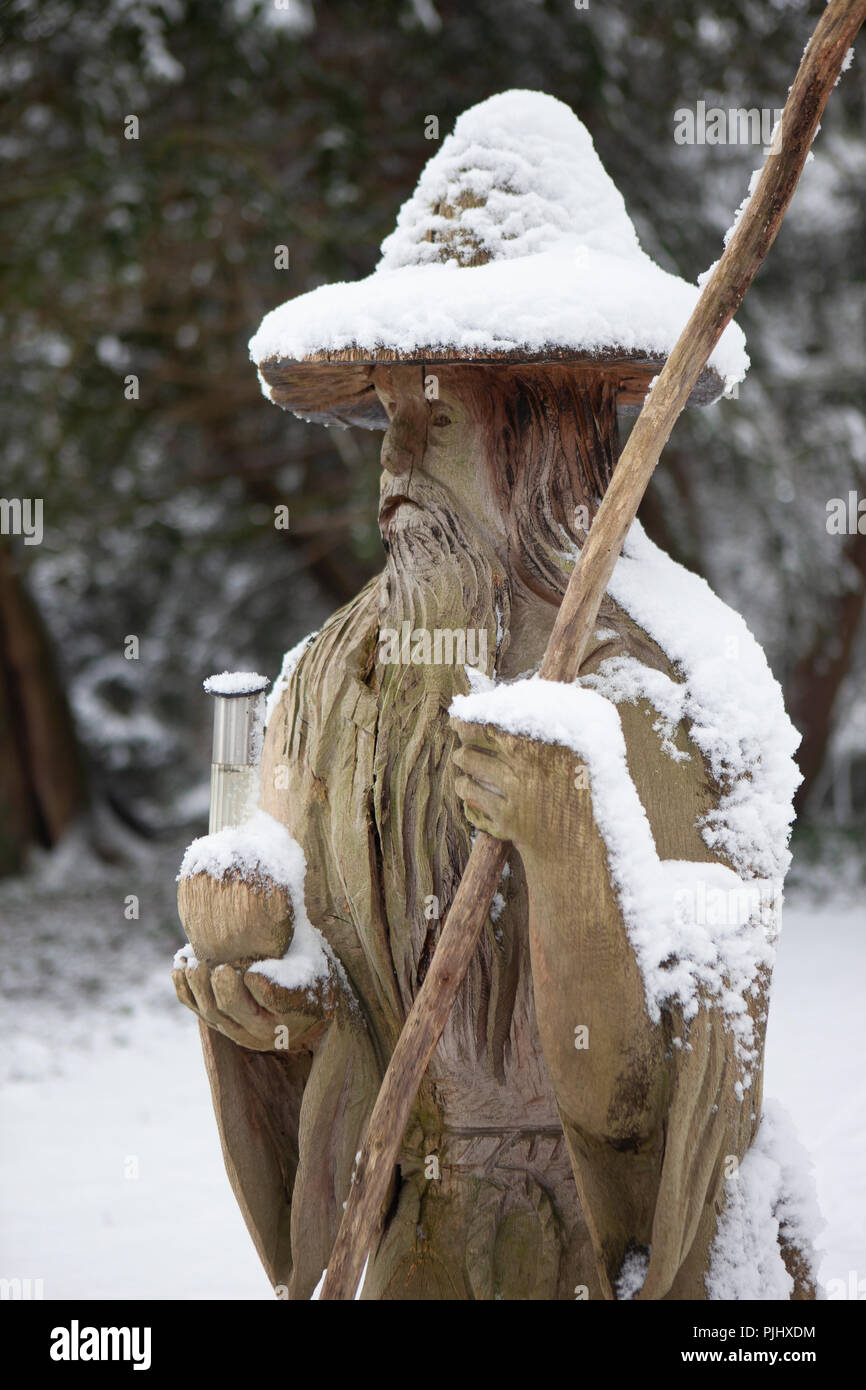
238,728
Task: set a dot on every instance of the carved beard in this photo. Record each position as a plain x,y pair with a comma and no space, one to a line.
441,573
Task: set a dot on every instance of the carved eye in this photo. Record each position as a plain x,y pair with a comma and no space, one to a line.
440,419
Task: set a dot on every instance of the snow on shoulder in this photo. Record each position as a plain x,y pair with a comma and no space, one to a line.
516,240
287,670
264,854
699,930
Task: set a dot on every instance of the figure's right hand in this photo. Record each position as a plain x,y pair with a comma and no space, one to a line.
251,1009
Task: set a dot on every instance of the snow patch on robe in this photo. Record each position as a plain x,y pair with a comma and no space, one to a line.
772,1194
632,1274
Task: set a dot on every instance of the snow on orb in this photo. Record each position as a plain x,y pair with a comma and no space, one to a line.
265,855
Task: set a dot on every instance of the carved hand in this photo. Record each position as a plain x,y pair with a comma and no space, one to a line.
254,1011
230,924
534,794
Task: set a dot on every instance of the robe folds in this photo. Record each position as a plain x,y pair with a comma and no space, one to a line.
500,1192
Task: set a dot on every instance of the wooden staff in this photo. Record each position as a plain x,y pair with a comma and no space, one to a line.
721,297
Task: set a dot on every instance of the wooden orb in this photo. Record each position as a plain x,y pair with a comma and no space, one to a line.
232,920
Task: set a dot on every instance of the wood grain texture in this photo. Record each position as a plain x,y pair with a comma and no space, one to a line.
232,919
337,387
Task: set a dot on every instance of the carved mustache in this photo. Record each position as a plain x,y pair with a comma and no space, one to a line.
424,496
389,506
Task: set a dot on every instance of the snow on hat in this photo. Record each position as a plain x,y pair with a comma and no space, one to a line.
515,247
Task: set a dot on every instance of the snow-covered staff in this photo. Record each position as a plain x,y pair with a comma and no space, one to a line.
590,1119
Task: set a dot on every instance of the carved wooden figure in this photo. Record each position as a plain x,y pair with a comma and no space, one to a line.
590,1108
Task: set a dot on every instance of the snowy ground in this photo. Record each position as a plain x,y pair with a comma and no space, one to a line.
111,1180
814,1066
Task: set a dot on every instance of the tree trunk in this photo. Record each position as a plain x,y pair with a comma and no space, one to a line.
818,675
41,774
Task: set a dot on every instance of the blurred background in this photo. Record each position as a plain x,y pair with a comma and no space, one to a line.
134,271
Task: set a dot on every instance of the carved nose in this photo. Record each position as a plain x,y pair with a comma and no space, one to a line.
403,445
396,457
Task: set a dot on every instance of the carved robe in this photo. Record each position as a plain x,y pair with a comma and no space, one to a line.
486,1201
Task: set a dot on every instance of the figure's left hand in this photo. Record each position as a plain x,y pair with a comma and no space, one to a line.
519,789
252,1010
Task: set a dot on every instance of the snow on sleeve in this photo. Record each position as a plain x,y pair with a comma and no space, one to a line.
728,694
698,930
263,853
290,661
772,1193
623,679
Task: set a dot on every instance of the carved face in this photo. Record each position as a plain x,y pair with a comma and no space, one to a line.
436,439
522,453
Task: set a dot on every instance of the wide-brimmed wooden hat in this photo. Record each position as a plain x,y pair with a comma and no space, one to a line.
515,248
